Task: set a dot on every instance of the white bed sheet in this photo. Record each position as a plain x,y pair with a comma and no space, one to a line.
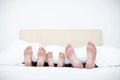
56,73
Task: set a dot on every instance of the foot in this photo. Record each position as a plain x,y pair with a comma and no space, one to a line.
28,56
41,57
91,55
49,57
61,60
70,54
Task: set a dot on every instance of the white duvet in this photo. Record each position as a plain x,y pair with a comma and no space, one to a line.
13,55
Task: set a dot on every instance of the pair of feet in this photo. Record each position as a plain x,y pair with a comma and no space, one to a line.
76,63
70,55
42,57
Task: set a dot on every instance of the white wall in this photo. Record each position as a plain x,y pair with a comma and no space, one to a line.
74,14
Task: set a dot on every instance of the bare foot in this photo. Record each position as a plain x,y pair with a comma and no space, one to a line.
91,56
61,60
28,56
50,59
70,54
41,57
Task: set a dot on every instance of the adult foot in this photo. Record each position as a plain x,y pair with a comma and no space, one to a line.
49,57
41,57
91,55
28,56
61,59
70,54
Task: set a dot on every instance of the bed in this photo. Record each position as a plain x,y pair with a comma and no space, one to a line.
78,38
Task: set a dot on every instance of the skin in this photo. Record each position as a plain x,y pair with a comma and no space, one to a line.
41,57
70,54
49,57
28,56
61,60
91,55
